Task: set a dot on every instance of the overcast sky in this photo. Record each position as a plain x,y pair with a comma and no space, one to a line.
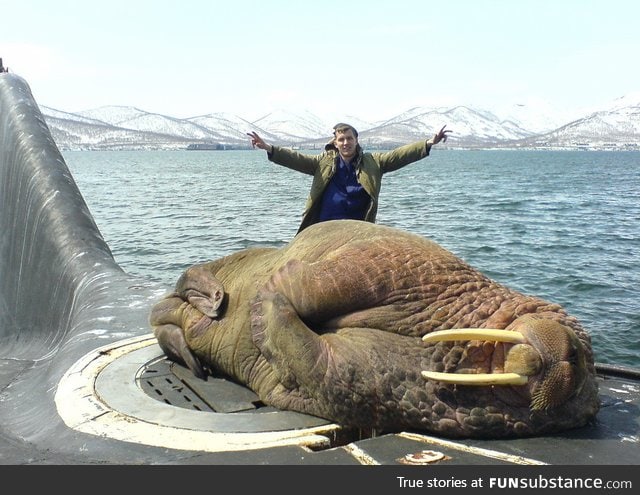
370,59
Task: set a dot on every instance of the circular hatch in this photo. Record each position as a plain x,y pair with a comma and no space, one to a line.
129,391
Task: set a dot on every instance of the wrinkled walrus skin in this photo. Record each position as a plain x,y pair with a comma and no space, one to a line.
331,325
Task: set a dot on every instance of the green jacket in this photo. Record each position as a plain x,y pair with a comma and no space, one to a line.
369,170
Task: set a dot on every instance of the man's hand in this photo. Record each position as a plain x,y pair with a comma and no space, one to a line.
258,142
441,136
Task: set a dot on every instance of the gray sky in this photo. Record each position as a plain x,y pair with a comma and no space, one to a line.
370,59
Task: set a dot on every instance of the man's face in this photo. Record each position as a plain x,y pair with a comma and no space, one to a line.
346,142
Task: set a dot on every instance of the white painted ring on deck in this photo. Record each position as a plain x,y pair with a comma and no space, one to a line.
121,410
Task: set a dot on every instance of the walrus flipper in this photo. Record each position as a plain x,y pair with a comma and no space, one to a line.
202,290
323,290
343,376
171,340
296,354
167,320
284,340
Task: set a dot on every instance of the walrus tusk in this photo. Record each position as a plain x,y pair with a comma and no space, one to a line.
476,379
475,334
479,379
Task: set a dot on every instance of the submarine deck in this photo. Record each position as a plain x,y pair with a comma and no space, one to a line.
79,369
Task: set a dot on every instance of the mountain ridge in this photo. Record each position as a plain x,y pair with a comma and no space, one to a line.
613,126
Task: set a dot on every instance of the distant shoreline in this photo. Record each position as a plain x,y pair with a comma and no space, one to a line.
222,148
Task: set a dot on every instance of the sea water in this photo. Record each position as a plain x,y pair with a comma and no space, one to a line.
562,225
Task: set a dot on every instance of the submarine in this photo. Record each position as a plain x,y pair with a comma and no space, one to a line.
84,382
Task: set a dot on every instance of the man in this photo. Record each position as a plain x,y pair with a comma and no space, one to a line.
346,180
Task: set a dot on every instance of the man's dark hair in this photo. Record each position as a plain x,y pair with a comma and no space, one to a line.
342,127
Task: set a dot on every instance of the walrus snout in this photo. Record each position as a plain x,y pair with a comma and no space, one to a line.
564,361
542,354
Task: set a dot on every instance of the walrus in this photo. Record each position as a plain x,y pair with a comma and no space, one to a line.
371,326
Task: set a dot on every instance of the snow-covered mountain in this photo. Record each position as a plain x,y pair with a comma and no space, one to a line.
227,127
470,126
535,115
616,125
293,126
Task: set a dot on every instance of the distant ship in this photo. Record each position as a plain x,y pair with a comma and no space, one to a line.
206,146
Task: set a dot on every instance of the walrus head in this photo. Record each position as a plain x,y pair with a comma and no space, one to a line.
542,357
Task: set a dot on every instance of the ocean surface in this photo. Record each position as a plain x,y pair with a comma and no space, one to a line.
563,225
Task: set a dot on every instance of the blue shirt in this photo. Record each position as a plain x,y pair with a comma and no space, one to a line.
344,196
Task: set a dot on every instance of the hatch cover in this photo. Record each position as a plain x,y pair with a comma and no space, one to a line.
176,385
129,391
